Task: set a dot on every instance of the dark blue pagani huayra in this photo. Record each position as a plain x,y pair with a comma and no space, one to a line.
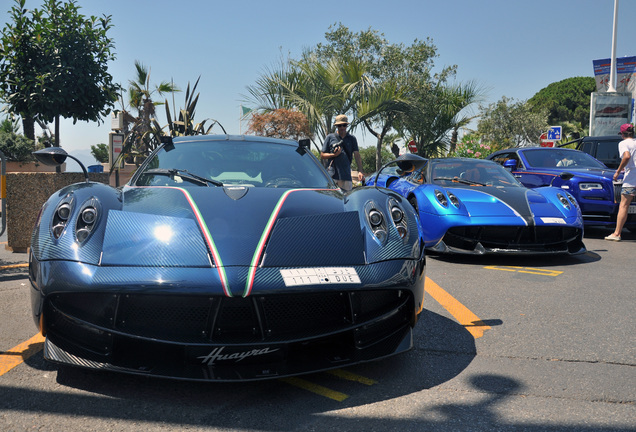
474,206
225,258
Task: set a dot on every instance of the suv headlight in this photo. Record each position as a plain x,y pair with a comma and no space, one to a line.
590,186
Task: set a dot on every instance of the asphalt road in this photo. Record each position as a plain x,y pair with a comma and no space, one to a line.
504,344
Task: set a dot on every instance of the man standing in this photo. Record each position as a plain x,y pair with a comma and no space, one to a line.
627,150
339,149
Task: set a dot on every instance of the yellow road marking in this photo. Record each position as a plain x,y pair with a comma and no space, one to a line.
529,270
352,377
10,266
315,388
18,354
461,313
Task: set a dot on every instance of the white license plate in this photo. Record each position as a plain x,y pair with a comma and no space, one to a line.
631,209
320,275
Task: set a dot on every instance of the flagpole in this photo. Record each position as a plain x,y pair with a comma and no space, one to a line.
612,80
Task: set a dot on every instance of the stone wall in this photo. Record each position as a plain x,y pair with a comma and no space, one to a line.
25,195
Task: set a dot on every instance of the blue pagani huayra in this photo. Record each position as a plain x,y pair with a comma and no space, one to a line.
473,206
225,258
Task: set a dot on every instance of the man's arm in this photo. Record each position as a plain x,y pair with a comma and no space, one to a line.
356,156
324,155
621,166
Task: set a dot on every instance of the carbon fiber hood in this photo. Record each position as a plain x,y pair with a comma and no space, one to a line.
238,226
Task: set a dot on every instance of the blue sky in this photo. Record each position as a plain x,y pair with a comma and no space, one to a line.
510,48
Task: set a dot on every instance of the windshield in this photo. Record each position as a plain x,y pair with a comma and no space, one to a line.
455,172
227,163
560,158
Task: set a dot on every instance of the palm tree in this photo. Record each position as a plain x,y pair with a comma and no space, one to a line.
142,130
381,105
435,112
319,91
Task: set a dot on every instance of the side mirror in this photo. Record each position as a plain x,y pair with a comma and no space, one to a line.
510,164
55,156
565,176
408,162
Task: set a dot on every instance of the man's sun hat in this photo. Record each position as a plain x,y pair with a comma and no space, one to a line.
341,119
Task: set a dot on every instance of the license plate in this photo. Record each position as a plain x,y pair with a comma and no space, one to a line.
631,209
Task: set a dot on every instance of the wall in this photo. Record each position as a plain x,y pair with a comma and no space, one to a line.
26,193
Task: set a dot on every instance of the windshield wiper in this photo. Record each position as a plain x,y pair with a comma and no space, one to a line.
459,180
184,174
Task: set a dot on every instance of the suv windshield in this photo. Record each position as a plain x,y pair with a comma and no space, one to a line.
560,158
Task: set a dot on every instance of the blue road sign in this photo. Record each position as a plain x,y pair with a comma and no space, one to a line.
554,133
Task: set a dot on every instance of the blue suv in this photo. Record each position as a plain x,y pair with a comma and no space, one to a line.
589,180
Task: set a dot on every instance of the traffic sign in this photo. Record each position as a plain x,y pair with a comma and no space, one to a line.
554,133
412,146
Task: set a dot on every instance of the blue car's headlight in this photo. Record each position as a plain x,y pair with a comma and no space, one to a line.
61,215
590,186
88,217
564,201
572,199
375,219
399,218
441,197
454,200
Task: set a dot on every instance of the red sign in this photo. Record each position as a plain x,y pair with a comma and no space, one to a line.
412,146
544,141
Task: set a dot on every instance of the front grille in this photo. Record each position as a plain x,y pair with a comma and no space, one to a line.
211,319
511,237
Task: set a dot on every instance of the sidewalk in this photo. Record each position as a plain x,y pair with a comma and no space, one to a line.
8,257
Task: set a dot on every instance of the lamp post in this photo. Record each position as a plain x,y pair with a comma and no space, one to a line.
612,79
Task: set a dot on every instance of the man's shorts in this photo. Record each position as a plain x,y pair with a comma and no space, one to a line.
628,190
346,185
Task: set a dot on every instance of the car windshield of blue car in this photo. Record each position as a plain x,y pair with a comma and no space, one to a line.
560,158
477,173
226,163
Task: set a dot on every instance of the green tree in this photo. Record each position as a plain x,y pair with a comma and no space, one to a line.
567,103
508,123
368,157
100,152
10,124
390,99
54,63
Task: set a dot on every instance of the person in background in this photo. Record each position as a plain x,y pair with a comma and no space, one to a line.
339,149
627,150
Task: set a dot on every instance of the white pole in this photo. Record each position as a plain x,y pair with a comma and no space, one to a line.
612,81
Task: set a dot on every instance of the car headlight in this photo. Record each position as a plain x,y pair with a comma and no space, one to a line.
590,186
572,200
377,222
399,218
88,217
441,197
564,201
453,199
61,215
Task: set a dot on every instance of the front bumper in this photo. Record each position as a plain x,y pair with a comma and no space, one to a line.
511,240
173,332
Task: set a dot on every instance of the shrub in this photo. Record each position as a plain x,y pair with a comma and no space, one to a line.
16,147
472,147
